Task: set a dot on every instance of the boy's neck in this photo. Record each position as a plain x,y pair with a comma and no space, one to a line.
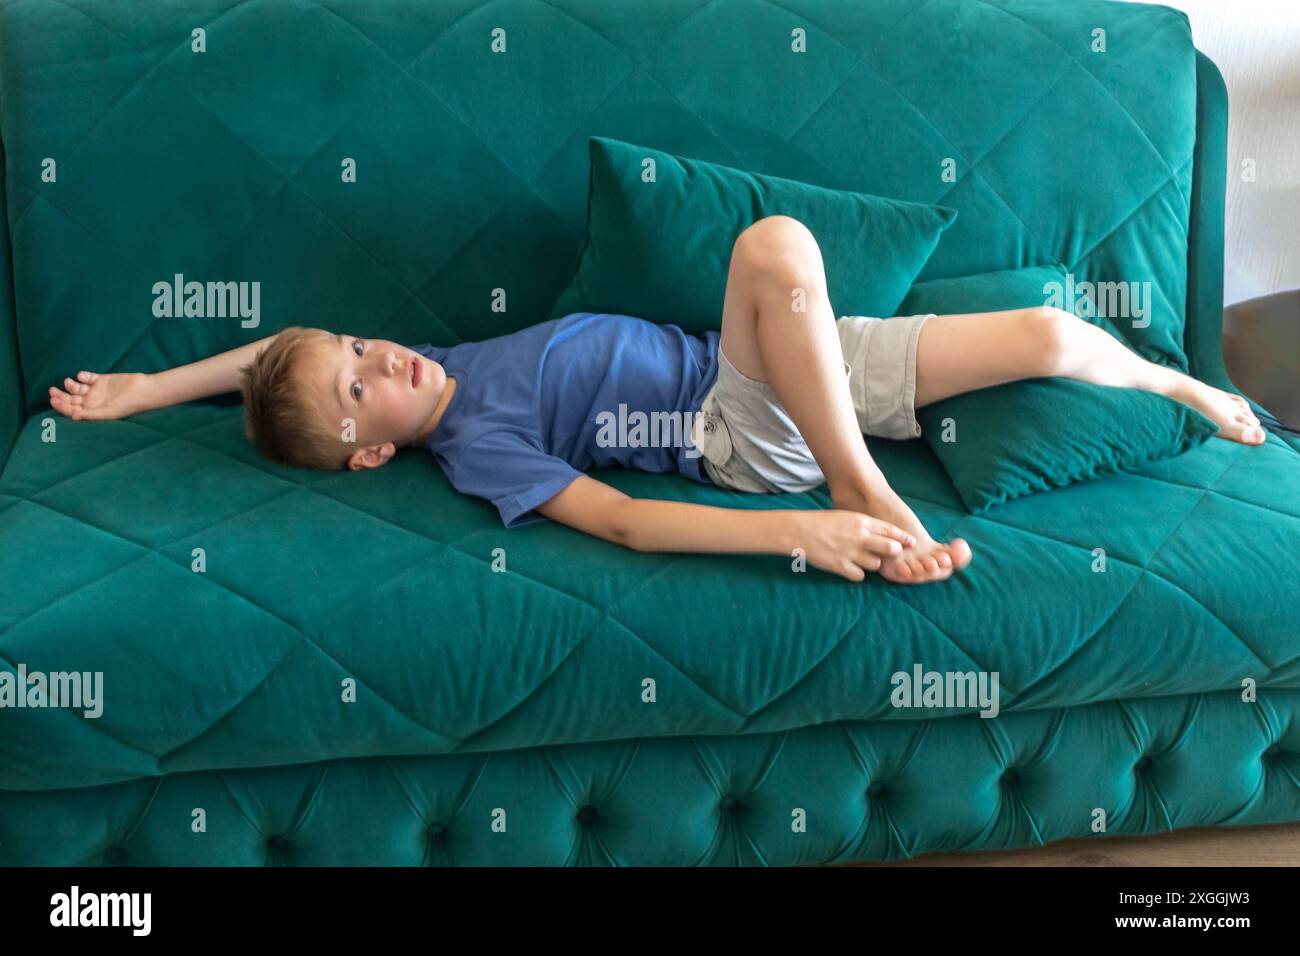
427,431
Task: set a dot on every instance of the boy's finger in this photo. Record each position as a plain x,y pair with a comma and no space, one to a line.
853,572
880,545
893,531
88,377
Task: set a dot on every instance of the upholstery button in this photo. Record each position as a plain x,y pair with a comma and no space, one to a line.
876,789
277,844
1143,765
115,856
1010,777
588,815
1272,751
729,801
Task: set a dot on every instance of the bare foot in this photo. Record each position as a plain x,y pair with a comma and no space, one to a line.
1229,411
928,560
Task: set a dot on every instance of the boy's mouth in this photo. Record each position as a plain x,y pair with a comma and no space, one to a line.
416,373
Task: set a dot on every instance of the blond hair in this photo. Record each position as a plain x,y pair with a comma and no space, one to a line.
282,414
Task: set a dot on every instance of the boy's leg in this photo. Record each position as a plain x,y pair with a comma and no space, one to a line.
778,327
961,353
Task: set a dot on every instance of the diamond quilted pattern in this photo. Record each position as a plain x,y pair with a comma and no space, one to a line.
472,177
1074,102
374,66
641,103
913,145
290,123
44,40
447,152
464,286
953,88
798,86
76,449
367,559
502,99
152,515
158,236
29,528
321,532
155,717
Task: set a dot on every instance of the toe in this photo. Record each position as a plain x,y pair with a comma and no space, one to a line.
934,571
901,569
920,569
924,568
960,551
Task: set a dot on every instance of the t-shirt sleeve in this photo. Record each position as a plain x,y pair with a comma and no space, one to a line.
512,472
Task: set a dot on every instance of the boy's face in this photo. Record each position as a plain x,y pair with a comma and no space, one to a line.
388,390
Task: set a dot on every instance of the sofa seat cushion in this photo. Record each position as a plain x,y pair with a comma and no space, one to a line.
362,614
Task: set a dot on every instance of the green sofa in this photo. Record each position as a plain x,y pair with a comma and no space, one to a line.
310,668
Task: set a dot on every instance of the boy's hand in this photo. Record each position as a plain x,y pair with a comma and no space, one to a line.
847,543
93,396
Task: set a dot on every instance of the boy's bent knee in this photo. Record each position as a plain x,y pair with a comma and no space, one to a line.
777,240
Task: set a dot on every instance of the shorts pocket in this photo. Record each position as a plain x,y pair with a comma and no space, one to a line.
709,434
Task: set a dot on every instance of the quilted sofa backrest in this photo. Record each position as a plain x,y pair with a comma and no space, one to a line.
419,171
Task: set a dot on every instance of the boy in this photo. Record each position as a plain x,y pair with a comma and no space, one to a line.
775,407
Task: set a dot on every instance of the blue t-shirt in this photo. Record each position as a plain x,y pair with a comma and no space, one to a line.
536,408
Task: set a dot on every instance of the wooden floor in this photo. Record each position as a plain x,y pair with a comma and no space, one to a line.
1216,846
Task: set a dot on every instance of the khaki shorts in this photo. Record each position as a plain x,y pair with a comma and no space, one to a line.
746,440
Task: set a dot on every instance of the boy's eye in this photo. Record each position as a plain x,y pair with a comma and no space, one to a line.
356,391
355,348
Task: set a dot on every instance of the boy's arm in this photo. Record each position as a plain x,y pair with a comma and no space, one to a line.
99,395
847,543
214,375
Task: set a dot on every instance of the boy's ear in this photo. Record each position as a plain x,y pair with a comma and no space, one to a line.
371,457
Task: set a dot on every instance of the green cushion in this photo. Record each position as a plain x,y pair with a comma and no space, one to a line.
986,292
660,229
1010,440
